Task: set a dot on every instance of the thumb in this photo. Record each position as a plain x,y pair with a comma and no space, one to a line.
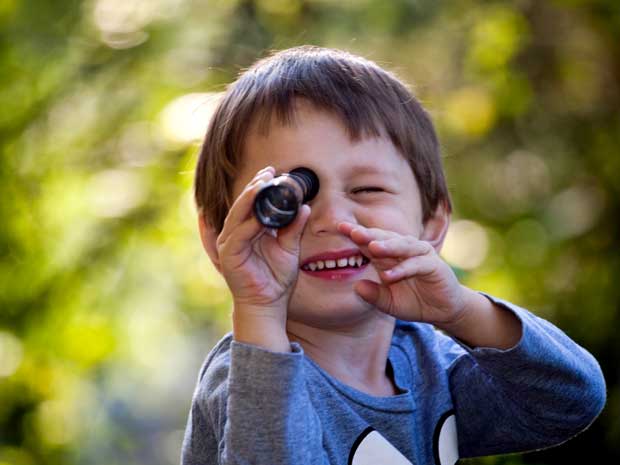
375,294
288,237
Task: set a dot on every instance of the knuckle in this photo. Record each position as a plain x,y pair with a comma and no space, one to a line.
427,248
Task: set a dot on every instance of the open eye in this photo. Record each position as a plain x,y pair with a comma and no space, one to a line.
368,189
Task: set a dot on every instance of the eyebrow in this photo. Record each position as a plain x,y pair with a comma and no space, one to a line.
369,169
356,170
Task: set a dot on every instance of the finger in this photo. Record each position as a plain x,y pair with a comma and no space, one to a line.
345,227
263,175
412,267
289,236
260,174
375,294
381,264
403,246
361,234
362,237
246,233
241,208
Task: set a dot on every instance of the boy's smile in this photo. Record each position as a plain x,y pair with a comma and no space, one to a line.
366,182
336,264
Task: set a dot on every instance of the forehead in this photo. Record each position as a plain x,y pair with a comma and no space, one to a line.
319,140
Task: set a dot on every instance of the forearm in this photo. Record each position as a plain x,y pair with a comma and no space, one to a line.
545,380
485,324
269,416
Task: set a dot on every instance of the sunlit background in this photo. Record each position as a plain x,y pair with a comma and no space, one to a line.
108,305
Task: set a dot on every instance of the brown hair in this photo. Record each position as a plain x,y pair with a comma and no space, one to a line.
370,101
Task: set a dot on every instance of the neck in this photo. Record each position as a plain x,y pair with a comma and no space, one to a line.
355,355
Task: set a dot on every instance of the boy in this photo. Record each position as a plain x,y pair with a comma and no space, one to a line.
333,358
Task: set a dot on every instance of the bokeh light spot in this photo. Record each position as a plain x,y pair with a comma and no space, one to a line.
466,245
574,211
115,192
185,119
470,111
11,353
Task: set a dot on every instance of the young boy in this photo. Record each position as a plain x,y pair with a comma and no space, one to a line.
334,357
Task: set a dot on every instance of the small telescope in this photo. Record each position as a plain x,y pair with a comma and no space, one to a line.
277,203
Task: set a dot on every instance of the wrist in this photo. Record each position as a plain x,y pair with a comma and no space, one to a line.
484,324
464,316
264,327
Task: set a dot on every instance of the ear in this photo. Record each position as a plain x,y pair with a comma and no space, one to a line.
208,236
436,227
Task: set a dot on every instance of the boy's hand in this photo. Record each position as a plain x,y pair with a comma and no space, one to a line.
259,267
417,285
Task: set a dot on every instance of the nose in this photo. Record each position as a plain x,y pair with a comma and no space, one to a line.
328,209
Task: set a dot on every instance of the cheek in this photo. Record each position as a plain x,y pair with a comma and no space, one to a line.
392,218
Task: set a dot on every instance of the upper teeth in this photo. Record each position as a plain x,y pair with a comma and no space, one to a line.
355,260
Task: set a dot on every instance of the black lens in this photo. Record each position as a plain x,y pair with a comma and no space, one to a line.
281,199
276,206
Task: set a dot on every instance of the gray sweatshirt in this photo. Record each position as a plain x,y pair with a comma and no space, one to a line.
254,406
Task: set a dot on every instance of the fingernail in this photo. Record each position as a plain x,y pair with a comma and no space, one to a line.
391,274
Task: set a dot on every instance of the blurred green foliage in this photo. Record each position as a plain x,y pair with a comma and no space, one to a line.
108,304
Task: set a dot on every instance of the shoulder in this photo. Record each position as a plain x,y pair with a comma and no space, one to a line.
218,358
207,415
212,386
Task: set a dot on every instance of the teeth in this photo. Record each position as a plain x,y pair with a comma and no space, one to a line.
355,261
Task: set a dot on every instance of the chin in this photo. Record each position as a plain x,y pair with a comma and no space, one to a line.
344,312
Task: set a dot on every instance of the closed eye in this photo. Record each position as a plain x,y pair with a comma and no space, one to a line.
368,189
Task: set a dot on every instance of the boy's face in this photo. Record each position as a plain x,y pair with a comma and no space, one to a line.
319,141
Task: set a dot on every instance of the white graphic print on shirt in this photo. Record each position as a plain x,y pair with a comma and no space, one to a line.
371,448
445,440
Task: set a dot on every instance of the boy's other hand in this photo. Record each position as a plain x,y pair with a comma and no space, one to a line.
417,285
259,265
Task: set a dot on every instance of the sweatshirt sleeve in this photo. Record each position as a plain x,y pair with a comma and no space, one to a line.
254,409
539,393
